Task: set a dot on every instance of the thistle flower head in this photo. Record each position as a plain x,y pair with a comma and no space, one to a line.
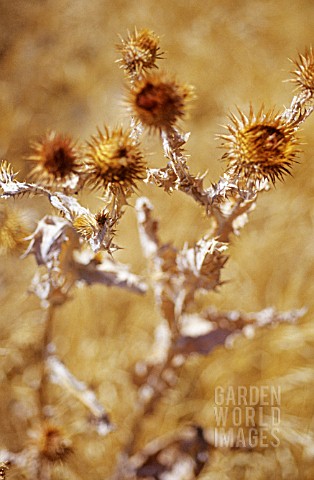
113,158
260,146
159,101
52,443
88,225
304,72
56,159
14,229
139,51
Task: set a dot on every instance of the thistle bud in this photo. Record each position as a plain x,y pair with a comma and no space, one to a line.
139,52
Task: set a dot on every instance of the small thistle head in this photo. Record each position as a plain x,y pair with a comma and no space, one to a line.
14,229
56,159
260,146
304,72
113,159
139,51
52,443
88,225
159,101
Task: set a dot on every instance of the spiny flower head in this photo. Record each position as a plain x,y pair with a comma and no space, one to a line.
14,229
139,51
304,73
88,225
56,159
113,159
159,101
52,443
260,146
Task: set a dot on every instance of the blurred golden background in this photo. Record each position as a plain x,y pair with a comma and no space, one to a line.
58,71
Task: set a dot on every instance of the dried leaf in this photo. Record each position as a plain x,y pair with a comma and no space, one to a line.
67,205
201,333
203,344
51,288
181,456
101,268
47,240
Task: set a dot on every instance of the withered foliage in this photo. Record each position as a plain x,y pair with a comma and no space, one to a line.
74,247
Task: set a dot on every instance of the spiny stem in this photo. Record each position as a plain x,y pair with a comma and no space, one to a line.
46,340
44,470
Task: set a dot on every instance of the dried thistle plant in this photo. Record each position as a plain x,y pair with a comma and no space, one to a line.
76,246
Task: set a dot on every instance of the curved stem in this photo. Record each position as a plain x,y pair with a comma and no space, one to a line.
46,340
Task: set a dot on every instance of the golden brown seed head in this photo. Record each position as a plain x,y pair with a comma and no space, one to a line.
56,159
158,101
113,159
88,225
261,146
85,225
304,73
53,445
140,51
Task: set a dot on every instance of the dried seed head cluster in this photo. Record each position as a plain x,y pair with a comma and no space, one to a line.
113,158
13,230
56,157
140,51
304,72
260,146
159,101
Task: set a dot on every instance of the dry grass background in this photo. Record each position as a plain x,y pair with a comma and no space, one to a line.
57,71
